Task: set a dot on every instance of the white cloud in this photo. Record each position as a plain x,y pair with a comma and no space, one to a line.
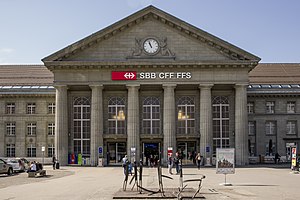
6,50
139,3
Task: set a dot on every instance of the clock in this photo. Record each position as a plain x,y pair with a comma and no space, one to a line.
151,46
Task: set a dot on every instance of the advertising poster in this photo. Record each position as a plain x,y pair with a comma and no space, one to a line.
294,156
225,161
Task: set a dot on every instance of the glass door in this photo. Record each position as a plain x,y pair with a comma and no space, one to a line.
187,152
115,152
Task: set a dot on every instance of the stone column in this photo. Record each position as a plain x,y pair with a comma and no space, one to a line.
61,124
241,122
96,122
169,115
133,136
206,135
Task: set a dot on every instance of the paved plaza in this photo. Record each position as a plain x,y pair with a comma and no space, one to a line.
91,183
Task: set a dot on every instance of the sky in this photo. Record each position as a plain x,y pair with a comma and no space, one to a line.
33,29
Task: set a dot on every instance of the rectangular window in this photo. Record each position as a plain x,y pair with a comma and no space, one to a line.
270,107
250,107
10,150
290,107
11,128
10,108
251,128
270,128
51,108
31,108
51,150
51,129
291,127
31,129
31,151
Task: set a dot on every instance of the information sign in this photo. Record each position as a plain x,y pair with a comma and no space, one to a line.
225,161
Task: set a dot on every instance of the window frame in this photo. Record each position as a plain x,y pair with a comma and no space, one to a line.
186,111
270,127
10,108
270,107
31,108
289,127
151,104
11,128
31,128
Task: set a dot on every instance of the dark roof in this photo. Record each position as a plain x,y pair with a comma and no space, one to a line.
275,73
25,75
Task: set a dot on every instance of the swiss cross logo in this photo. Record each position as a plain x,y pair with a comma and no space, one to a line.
123,76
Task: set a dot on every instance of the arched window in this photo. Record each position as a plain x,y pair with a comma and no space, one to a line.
82,125
186,115
151,115
220,122
116,115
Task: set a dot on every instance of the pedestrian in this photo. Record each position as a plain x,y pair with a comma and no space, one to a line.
176,162
125,164
170,164
277,158
53,161
198,159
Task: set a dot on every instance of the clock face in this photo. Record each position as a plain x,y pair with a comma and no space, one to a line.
151,46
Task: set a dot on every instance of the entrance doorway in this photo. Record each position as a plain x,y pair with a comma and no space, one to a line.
187,152
115,152
288,147
151,153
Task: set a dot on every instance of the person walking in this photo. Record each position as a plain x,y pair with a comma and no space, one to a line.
53,161
125,163
198,159
176,162
170,164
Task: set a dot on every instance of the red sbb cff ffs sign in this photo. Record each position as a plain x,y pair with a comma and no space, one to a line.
123,76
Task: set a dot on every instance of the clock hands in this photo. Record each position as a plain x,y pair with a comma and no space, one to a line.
150,44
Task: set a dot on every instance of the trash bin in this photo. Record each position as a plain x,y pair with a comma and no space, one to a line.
100,162
57,165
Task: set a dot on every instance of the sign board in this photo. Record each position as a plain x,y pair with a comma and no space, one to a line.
100,150
225,161
294,156
43,148
170,151
207,149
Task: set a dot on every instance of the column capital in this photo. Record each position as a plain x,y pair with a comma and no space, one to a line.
100,86
137,86
240,85
61,87
205,86
169,85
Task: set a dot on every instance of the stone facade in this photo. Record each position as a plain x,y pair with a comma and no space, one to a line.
191,96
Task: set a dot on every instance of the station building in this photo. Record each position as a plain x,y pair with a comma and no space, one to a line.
145,85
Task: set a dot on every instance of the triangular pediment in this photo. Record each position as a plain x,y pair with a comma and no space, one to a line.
177,40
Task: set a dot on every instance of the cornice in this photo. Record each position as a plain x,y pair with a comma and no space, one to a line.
65,65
